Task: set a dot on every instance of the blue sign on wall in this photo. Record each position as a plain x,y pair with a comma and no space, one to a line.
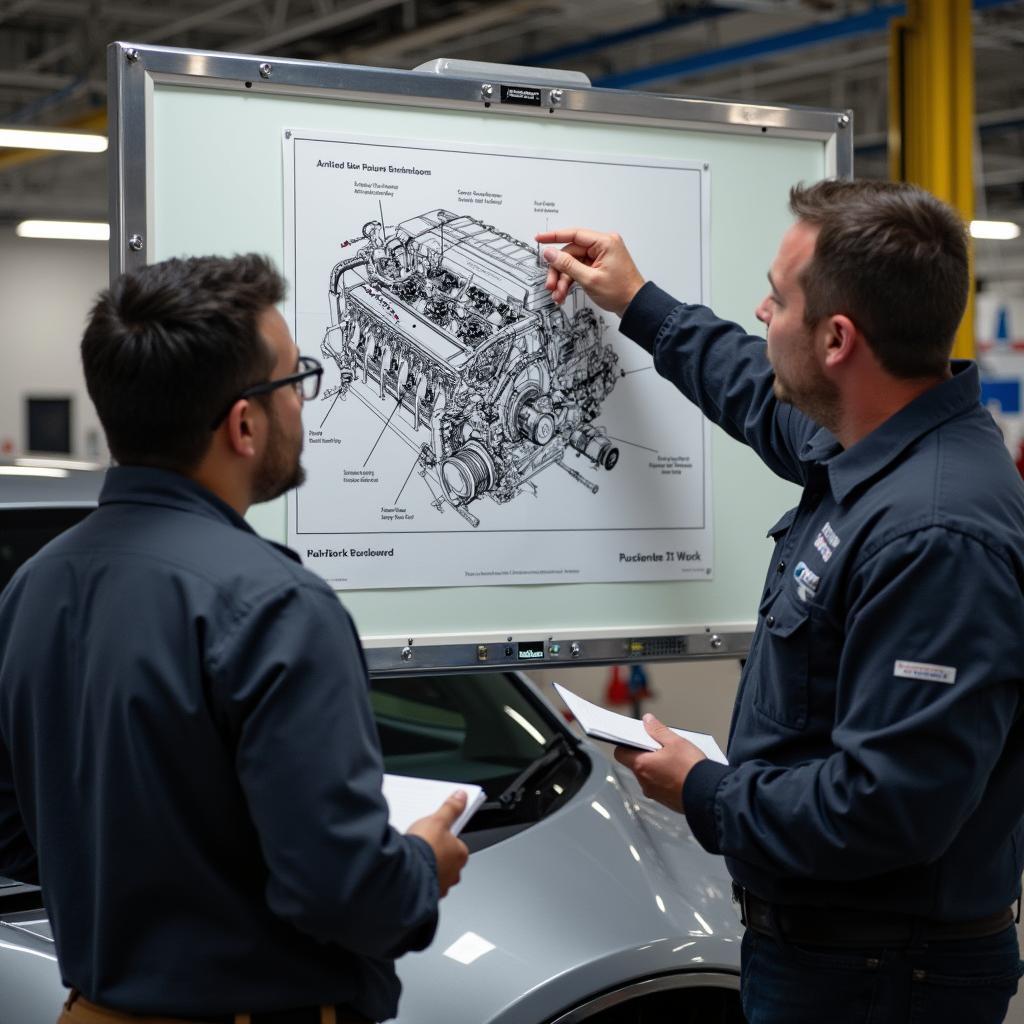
1005,392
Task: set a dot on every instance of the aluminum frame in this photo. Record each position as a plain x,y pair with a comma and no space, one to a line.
135,69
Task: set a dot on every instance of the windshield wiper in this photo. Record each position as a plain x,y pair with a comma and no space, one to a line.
555,750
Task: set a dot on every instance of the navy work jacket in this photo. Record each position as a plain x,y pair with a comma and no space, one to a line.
877,744
189,766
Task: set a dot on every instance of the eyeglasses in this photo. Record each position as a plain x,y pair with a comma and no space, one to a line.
305,380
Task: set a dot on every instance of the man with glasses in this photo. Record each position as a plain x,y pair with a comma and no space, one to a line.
189,765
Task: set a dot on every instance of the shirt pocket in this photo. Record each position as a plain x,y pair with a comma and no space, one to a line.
783,668
778,534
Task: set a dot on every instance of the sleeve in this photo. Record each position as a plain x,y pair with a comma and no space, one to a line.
292,682
17,855
927,693
724,371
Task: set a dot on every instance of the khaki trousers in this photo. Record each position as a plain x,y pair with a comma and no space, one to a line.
78,1010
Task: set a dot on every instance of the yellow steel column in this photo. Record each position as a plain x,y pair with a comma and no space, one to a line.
931,112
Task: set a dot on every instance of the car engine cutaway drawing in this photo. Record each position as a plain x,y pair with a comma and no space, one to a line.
443,327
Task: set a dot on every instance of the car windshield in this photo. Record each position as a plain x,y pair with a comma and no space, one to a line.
483,728
486,728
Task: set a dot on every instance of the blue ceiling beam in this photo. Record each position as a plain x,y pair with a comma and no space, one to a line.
603,42
875,20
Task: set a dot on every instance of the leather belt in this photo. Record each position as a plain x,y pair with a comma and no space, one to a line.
819,926
79,1008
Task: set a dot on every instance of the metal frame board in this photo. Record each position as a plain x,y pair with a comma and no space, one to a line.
135,71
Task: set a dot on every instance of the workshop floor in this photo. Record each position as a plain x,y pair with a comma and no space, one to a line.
696,695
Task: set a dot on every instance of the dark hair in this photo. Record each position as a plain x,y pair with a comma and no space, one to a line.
892,258
168,346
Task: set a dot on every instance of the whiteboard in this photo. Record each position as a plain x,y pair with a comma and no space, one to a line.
197,168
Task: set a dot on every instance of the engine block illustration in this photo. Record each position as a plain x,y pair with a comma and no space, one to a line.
443,327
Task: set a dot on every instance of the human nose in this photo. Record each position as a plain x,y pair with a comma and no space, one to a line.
763,311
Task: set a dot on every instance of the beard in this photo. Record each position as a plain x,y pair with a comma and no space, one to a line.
280,469
815,396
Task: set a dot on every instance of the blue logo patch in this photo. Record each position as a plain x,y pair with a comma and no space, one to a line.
806,581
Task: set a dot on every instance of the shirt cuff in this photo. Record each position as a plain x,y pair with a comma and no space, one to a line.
644,316
699,791
426,851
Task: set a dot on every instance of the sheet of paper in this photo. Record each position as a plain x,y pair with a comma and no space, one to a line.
458,400
410,799
612,727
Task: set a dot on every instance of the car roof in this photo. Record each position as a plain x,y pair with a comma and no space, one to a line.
37,482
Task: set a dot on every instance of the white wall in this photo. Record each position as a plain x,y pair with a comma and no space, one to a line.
46,291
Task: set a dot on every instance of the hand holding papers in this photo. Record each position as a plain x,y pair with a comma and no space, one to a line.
410,799
611,727
434,811
659,759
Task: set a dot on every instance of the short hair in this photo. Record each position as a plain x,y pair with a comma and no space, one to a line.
167,348
894,259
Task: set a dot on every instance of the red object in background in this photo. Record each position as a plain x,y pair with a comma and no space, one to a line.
617,690
1020,458
7,447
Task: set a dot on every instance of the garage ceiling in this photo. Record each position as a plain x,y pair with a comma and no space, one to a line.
826,53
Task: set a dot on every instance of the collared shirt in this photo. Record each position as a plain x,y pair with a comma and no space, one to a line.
186,742
877,745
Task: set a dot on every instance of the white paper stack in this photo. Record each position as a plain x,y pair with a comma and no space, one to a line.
410,799
602,724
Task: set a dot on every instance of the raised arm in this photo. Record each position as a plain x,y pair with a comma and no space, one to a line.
714,363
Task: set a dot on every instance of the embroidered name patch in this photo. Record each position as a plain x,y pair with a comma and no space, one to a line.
822,547
925,672
830,535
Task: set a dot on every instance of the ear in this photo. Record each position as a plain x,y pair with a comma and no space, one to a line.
242,429
840,338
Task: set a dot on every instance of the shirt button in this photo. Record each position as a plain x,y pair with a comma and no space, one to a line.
770,620
780,567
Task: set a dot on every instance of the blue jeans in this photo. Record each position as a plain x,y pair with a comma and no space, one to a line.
961,981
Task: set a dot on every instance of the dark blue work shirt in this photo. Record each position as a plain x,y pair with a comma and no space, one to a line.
190,767
877,745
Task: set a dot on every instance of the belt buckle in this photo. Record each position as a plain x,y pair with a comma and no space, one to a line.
739,897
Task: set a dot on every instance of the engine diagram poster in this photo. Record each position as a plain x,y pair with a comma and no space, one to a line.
468,430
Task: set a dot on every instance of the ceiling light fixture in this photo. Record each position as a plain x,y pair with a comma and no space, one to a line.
31,471
34,463
53,138
1001,230
82,230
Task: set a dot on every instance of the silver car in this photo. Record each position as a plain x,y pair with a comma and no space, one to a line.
582,900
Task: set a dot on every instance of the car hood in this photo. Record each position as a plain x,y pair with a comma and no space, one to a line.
609,890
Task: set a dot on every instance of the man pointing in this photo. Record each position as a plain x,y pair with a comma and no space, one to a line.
871,813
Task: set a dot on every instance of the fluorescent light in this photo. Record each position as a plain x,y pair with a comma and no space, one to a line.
71,142
31,471
83,230
1002,230
57,463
